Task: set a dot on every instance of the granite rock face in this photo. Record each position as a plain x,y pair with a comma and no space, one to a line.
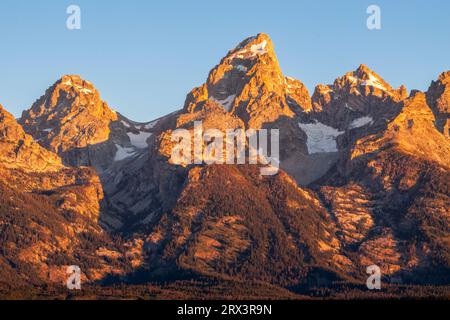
438,96
248,83
357,94
71,120
48,211
364,179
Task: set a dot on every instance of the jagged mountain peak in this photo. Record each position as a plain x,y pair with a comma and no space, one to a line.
254,58
252,48
71,109
67,100
362,81
364,71
442,83
76,83
73,121
363,76
75,78
377,166
364,68
249,83
358,93
444,77
71,117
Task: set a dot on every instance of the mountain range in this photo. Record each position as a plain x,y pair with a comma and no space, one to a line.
364,180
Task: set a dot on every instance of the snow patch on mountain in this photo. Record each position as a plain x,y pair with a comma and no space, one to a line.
321,138
82,89
361,122
241,68
255,50
259,48
123,153
139,140
227,102
372,81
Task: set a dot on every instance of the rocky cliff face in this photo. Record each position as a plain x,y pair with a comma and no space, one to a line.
415,120
229,220
71,120
357,104
361,93
19,150
49,214
364,180
248,82
381,189
245,90
438,96
354,127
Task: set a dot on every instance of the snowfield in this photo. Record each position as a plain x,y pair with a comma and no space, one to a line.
227,102
123,153
139,140
372,81
259,48
360,122
321,138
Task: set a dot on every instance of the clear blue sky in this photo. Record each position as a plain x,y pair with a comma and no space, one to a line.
145,56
